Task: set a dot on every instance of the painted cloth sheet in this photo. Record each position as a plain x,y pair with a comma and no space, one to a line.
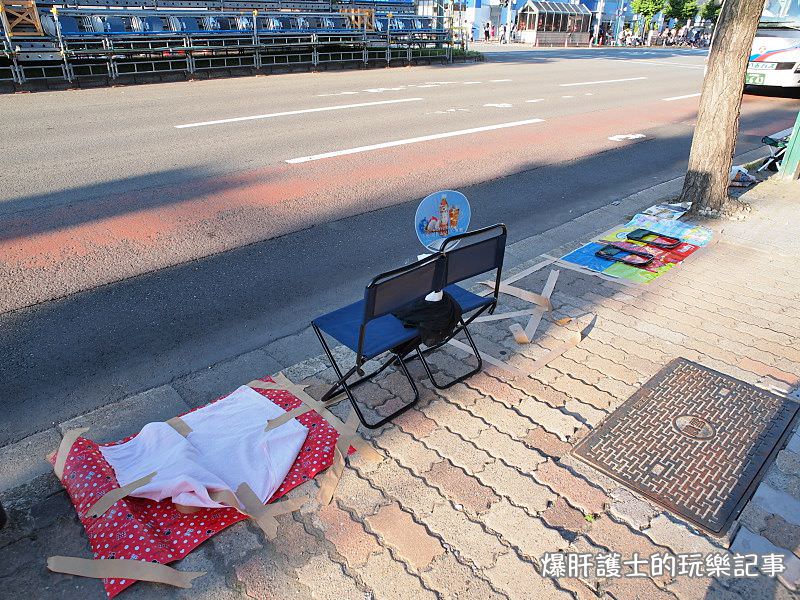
227,446
696,235
141,529
692,237
585,257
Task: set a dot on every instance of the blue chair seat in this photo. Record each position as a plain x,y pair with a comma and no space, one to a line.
381,334
466,299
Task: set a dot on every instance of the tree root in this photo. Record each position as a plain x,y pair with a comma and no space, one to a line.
734,209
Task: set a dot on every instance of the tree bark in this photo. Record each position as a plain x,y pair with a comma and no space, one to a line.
711,156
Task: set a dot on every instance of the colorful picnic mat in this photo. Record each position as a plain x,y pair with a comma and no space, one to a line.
692,236
141,529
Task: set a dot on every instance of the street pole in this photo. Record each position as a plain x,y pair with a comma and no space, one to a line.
790,166
601,8
508,21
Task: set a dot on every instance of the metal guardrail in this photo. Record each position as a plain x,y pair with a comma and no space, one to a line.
113,43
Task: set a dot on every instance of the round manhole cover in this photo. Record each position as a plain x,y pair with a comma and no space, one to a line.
694,427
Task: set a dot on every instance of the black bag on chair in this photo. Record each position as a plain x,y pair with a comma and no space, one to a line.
435,320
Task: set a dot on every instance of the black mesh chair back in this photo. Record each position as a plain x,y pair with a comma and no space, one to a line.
389,291
477,252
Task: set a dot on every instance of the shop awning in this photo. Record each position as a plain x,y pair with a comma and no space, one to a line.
557,8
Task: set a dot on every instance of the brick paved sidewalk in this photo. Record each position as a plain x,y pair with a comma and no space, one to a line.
478,482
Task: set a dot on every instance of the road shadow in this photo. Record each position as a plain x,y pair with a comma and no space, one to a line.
68,356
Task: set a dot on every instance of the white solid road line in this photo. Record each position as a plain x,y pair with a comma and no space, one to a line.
603,81
415,140
667,63
297,112
681,97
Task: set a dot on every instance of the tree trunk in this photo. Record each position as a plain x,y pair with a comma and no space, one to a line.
711,157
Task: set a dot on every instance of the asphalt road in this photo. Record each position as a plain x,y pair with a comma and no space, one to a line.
221,237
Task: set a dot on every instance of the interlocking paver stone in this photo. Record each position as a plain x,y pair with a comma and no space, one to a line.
554,420
510,451
348,537
389,579
459,451
467,537
416,424
326,580
677,537
399,484
546,442
519,489
454,581
357,493
529,534
561,515
460,488
457,420
541,392
406,450
577,491
499,390
631,509
520,581
410,540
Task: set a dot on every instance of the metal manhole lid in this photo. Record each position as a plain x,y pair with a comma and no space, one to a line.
692,439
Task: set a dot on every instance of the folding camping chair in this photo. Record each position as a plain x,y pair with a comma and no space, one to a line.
369,330
478,252
777,148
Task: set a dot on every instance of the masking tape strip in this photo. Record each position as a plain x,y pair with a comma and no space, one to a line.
538,266
116,568
284,383
579,269
560,349
517,372
532,297
186,510
525,337
287,416
330,480
264,515
111,497
505,315
70,437
180,426
526,295
267,385
226,497
522,274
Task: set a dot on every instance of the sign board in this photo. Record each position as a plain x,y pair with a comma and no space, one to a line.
441,215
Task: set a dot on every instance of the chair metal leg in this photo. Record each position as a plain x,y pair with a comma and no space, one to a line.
342,386
467,375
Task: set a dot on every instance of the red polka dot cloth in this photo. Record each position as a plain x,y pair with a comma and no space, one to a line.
141,529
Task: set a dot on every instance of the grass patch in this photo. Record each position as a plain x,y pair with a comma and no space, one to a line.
470,54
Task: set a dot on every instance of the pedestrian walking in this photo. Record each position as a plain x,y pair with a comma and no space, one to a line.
486,31
493,32
503,30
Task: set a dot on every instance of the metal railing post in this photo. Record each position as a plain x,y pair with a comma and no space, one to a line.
189,58
314,50
790,166
68,75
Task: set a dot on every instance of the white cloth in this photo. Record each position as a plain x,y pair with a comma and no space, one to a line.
226,447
